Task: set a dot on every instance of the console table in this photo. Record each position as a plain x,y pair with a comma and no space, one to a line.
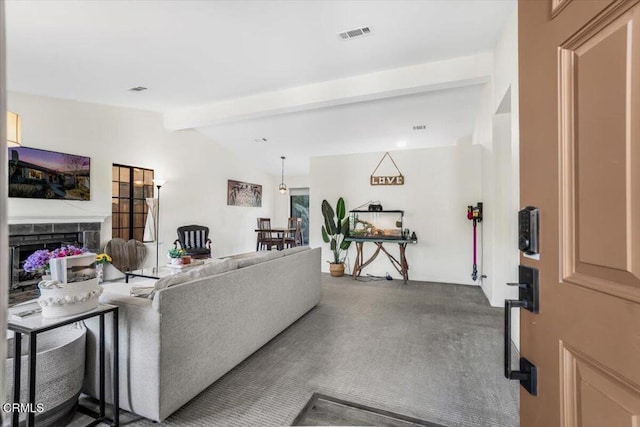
402,266
36,324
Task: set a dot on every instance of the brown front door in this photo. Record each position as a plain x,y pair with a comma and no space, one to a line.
579,67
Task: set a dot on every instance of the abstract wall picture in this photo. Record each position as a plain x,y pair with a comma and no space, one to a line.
43,174
244,194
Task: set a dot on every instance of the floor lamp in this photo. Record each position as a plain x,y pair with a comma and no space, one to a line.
159,183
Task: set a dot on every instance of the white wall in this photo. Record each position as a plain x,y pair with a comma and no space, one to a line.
439,184
281,202
497,130
196,169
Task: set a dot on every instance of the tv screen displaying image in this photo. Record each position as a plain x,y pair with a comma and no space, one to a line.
42,174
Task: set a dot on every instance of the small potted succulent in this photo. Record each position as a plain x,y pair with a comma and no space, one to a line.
335,231
178,256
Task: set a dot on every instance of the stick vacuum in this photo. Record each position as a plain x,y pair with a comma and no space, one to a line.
474,213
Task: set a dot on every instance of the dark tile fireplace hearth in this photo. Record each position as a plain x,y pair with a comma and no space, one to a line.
24,239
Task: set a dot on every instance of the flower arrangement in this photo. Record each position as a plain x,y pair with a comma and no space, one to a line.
67,250
39,260
103,258
177,252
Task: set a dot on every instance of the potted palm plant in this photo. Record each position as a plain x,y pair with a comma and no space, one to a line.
334,231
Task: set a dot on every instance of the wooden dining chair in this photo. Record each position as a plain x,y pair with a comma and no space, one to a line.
294,238
266,239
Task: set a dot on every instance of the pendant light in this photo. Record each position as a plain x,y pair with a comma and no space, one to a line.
283,187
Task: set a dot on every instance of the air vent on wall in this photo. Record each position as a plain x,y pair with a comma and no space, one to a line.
137,89
420,127
355,33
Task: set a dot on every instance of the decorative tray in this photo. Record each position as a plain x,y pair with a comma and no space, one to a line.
193,263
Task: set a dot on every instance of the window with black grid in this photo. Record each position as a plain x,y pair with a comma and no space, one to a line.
130,187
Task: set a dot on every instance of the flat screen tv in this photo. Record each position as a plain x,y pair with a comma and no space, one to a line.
43,174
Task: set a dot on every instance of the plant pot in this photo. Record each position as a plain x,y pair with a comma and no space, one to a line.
336,270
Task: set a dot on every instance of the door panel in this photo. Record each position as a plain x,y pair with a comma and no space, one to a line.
579,66
589,387
596,67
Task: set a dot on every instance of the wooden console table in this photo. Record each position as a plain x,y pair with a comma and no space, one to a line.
402,266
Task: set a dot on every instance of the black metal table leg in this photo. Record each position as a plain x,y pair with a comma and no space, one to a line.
33,345
102,367
116,373
17,359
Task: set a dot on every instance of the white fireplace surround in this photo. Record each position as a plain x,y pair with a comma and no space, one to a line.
55,219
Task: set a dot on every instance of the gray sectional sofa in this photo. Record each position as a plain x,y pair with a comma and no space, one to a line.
191,331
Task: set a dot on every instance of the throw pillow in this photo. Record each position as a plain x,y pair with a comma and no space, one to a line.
165,282
141,291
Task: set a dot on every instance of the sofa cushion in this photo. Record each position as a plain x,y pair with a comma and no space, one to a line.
295,250
174,279
213,267
259,257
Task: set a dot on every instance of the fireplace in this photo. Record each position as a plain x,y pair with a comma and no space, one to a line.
24,239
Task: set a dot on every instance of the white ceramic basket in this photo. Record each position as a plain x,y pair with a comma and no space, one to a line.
69,299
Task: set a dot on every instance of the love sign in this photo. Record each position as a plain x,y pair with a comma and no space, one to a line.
386,180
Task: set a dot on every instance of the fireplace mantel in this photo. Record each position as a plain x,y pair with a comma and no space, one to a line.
55,219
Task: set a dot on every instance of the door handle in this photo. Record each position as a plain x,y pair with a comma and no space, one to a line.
528,298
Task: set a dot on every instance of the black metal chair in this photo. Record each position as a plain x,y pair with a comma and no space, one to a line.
194,239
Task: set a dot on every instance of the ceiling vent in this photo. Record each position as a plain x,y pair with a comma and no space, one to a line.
355,33
420,127
137,89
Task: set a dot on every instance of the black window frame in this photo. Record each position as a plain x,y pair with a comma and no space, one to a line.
129,208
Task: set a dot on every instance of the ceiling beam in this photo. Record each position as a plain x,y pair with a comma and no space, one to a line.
456,72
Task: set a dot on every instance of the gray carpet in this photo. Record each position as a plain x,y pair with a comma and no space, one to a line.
426,350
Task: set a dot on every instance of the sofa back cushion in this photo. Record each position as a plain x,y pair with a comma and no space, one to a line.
211,268
258,258
295,250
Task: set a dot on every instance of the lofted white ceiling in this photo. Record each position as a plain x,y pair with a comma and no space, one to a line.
194,53
379,125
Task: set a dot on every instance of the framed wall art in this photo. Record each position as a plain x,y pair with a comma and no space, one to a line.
244,194
43,174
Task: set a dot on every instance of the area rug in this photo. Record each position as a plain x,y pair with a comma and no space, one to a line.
324,410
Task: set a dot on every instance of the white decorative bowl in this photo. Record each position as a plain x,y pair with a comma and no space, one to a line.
68,299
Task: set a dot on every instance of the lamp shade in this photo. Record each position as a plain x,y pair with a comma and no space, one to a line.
13,129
